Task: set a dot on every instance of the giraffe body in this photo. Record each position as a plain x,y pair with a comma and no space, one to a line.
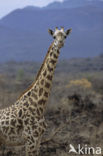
23,123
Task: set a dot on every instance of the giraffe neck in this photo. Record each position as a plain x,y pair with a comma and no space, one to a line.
40,90
45,75
49,63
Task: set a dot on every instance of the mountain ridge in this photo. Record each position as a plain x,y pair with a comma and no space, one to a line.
75,4
24,33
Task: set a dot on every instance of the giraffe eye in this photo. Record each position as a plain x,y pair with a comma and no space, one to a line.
54,37
65,36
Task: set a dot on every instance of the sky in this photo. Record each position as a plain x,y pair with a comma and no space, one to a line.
6,6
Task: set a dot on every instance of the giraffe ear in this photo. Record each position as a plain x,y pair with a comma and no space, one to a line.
50,32
68,31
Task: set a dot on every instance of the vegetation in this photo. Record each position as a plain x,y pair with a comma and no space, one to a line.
75,109
82,83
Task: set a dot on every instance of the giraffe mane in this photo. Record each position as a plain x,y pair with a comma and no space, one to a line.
43,62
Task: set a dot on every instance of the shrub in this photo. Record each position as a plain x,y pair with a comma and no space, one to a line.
81,82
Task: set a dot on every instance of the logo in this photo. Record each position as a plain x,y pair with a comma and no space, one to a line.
85,150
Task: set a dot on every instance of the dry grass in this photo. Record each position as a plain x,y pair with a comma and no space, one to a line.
74,114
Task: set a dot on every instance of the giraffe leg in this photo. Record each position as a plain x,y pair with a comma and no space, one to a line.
32,146
33,137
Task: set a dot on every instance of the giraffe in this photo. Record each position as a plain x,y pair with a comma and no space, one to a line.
23,123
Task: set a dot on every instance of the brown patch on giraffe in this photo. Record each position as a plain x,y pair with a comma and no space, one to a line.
42,81
47,85
32,119
40,91
20,113
7,114
26,121
24,109
26,104
35,96
46,94
53,61
13,122
2,122
36,134
35,89
12,131
49,77
40,129
12,116
31,101
44,73
49,68
43,130
25,97
32,147
34,126
51,53
55,56
38,112
41,110
58,51
32,110
7,118
29,93
7,122
40,102
20,121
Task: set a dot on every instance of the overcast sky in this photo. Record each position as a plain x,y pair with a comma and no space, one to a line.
7,6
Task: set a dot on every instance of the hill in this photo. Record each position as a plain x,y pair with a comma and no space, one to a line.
75,4
24,36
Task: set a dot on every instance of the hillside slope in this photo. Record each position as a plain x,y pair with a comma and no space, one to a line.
24,36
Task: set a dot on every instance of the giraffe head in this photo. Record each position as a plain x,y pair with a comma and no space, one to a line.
59,35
